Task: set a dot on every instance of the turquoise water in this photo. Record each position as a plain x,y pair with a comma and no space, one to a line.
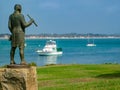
74,52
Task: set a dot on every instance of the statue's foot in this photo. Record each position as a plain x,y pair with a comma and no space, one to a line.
12,62
23,63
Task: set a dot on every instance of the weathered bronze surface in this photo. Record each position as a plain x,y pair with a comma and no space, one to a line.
17,25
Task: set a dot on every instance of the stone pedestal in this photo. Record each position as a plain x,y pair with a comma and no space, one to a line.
22,78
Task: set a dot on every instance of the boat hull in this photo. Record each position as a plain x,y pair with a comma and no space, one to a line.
90,45
49,53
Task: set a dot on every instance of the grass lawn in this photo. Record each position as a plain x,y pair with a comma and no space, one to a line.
79,77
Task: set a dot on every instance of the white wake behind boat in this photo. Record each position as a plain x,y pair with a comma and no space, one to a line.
50,49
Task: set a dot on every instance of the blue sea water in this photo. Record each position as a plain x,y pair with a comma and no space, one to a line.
75,51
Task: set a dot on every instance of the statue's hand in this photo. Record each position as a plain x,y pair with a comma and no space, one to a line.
32,20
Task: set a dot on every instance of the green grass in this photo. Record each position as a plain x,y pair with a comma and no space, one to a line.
79,77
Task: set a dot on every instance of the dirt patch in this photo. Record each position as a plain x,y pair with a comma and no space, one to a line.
75,80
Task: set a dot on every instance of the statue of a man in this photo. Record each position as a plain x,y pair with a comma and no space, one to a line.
17,25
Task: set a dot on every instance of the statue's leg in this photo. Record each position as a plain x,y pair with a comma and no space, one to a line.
12,53
22,55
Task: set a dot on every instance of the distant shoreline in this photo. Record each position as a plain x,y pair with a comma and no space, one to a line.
65,38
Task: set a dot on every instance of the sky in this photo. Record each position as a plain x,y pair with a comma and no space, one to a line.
65,16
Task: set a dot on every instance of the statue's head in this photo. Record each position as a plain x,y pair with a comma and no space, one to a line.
17,7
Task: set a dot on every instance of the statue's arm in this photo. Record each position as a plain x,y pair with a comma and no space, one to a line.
9,24
24,23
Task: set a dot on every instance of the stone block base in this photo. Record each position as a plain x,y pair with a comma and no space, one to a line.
18,79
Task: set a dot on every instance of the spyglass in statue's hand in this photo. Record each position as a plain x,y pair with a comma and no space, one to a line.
33,20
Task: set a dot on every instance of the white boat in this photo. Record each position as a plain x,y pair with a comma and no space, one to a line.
90,43
50,49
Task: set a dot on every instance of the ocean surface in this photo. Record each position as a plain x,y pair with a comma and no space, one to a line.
75,51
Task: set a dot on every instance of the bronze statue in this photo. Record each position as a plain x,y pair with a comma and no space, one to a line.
17,25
